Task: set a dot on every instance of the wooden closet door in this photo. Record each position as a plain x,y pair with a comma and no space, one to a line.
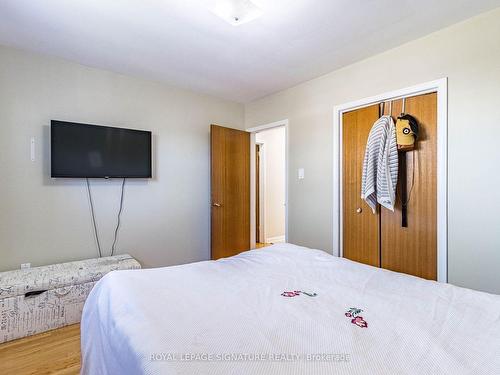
413,250
360,229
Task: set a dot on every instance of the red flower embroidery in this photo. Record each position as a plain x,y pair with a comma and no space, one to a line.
290,294
295,293
359,321
354,313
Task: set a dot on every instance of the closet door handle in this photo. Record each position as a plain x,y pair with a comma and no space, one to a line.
216,204
359,210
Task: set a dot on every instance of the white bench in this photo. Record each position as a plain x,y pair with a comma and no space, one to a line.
39,299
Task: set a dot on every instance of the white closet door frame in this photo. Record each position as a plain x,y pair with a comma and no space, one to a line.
439,86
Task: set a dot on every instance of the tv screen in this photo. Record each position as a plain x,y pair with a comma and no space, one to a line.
90,151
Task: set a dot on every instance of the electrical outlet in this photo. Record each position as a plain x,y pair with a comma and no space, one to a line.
25,265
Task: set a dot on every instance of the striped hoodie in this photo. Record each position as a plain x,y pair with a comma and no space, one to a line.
380,166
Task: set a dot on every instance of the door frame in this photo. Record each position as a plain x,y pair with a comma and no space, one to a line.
253,131
262,192
439,86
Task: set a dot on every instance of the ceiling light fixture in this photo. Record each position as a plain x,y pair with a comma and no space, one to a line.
236,12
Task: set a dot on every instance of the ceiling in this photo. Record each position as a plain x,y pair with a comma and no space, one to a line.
181,42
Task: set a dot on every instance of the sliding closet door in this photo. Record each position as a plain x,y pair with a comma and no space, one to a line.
413,250
360,225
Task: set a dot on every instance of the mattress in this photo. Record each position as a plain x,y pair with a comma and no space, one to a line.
286,309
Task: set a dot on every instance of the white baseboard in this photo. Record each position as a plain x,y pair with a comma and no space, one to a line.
276,239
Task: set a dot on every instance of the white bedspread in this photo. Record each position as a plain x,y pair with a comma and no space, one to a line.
229,317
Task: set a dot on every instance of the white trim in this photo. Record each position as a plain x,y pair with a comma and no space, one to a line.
262,191
255,130
253,197
277,239
271,125
441,87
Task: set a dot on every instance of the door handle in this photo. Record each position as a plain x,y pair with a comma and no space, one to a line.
216,204
359,210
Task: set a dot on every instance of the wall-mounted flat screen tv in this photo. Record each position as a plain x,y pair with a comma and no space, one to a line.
91,151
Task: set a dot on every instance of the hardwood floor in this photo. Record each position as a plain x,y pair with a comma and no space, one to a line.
53,352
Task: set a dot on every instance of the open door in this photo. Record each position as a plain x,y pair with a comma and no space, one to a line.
230,191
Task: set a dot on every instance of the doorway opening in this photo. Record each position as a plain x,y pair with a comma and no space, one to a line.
269,185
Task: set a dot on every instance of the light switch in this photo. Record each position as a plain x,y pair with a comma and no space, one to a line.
301,173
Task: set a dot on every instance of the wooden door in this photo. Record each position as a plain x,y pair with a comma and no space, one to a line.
230,191
413,250
360,225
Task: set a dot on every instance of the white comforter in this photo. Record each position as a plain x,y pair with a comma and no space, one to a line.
229,317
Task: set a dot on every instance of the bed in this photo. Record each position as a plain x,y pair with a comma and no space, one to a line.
286,309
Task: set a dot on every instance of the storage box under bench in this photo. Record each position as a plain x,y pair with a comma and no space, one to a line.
39,299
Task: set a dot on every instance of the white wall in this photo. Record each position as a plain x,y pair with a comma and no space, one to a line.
469,54
165,220
274,192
